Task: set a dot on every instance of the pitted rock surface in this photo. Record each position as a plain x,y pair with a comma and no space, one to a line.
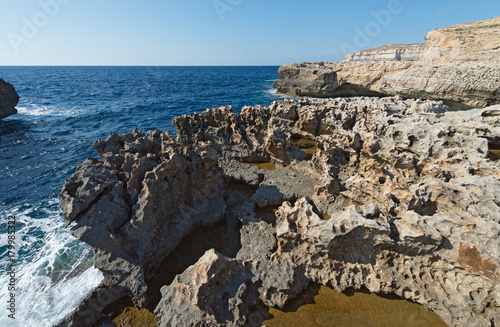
400,196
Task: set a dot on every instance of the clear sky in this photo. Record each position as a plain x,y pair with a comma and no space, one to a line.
217,32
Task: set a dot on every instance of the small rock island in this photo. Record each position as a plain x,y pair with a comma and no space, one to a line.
8,99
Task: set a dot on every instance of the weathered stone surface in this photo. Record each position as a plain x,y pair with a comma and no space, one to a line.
461,64
401,184
258,240
8,99
218,291
406,255
146,183
411,197
137,203
279,185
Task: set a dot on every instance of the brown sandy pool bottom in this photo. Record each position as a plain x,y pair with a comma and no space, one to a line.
242,188
261,165
326,307
136,318
494,153
308,146
268,213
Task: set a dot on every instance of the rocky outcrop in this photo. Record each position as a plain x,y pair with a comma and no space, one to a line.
218,291
460,65
8,99
134,206
399,197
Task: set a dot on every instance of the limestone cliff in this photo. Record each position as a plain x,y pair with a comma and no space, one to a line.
389,52
396,196
460,65
8,99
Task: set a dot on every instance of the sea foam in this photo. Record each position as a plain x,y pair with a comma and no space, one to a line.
38,110
54,270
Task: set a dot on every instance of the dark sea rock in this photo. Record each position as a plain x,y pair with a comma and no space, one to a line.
8,99
398,196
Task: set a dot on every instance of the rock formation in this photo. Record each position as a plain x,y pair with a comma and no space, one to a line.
8,99
460,65
399,196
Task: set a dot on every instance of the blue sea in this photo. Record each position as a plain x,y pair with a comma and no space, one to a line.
61,112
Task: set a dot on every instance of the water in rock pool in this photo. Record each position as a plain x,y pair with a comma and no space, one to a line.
308,146
61,112
494,152
326,307
261,165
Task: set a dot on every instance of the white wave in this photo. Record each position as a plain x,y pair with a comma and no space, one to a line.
36,110
54,271
274,94
271,91
24,218
40,303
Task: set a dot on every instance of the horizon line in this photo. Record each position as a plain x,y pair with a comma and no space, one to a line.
140,65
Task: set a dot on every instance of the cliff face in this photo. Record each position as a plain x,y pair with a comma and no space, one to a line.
477,42
412,197
8,99
460,64
389,52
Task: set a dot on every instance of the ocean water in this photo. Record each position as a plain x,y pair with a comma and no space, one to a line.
61,112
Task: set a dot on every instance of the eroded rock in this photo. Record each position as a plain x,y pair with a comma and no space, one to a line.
218,291
398,196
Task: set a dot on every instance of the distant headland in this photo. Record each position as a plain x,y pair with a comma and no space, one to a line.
459,65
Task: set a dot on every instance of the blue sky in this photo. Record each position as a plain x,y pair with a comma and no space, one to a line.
216,32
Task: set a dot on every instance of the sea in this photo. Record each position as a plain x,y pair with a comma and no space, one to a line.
62,111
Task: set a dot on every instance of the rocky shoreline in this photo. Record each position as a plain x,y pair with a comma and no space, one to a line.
459,65
394,196
8,99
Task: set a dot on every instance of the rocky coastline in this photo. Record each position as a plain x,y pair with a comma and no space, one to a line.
239,213
8,99
459,65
